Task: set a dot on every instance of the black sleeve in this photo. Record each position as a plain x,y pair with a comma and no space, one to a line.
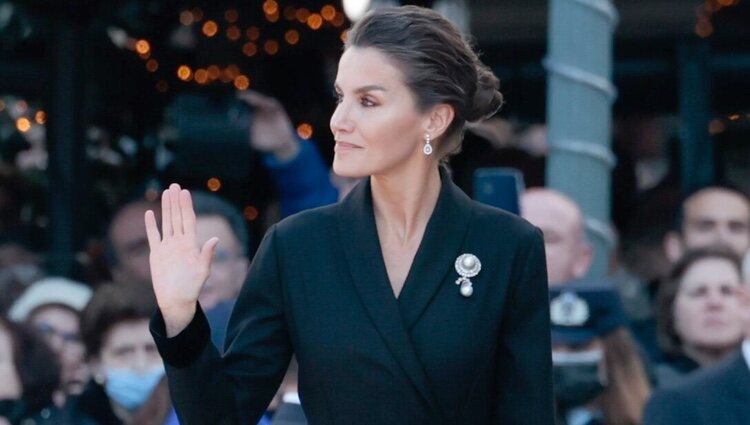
524,364
207,388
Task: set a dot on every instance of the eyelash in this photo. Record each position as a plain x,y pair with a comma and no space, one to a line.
367,103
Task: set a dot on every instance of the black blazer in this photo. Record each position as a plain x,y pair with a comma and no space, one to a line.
716,395
318,287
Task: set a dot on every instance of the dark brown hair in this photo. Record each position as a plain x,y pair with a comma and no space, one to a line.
669,340
110,305
438,65
628,388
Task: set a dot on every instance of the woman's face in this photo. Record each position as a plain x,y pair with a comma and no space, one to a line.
10,383
376,124
707,310
129,346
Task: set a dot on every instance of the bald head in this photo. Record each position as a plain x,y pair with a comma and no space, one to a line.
560,219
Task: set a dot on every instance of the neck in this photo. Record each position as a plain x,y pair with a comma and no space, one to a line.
403,202
707,356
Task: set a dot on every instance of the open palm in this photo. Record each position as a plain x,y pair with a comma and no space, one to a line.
178,267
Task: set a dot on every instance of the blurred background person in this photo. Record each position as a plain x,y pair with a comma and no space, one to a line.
568,253
699,312
127,246
52,307
29,375
128,384
599,377
713,395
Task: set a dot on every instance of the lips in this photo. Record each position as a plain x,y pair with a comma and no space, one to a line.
346,146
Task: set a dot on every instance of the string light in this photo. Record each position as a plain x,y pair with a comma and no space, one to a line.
201,76
304,131
21,106
328,12
152,65
210,28
142,47
186,18
242,82
249,49
338,20
40,117
270,7
271,47
302,15
213,184
716,126
273,17
213,72
184,73
253,33
234,33
734,117
315,21
292,37
197,14
250,213
231,16
23,124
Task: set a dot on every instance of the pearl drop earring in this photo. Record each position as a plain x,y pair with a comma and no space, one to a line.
427,149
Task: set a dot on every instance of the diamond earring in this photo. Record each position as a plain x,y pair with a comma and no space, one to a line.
427,149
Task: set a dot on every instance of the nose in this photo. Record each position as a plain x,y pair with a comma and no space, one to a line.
340,119
714,300
141,361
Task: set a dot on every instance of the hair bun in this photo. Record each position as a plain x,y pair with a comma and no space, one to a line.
487,98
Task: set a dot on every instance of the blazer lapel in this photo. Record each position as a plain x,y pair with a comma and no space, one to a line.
738,374
437,253
361,247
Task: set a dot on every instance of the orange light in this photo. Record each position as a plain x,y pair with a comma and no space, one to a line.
338,20
344,35
242,82
704,28
273,17
304,131
213,184
234,33
233,70
302,15
315,21
250,212
162,86
201,76
290,13
226,76
184,73
23,124
142,47
213,72
210,28
231,16
152,65
186,18
253,33
292,37
249,49
40,117
734,117
197,14
271,47
328,12
716,126
270,7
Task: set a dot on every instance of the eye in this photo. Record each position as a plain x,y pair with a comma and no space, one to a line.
367,102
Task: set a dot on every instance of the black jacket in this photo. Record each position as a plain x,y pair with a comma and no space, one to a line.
715,395
318,287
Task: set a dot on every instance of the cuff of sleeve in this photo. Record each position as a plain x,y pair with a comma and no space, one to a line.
184,348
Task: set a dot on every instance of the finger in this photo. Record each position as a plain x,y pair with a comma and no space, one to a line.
166,215
174,204
207,251
188,213
152,230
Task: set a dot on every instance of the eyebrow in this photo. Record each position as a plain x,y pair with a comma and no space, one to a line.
364,89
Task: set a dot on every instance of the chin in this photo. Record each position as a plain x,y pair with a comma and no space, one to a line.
348,169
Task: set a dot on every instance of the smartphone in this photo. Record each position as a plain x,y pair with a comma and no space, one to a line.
499,187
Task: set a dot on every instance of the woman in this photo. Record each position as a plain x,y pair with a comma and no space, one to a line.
389,321
127,385
598,374
28,376
699,316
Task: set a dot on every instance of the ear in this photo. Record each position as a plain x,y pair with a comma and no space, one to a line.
439,118
673,247
583,260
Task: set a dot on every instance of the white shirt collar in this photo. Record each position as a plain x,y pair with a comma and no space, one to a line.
746,351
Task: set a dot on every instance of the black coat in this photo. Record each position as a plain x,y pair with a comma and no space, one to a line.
318,287
716,395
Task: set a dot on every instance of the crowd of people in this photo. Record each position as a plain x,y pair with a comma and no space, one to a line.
672,348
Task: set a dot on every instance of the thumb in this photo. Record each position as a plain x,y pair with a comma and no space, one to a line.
207,251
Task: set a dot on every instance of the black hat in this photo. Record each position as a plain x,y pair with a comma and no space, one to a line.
580,313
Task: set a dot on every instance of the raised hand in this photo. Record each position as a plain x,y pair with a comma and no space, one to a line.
271,130
178,267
